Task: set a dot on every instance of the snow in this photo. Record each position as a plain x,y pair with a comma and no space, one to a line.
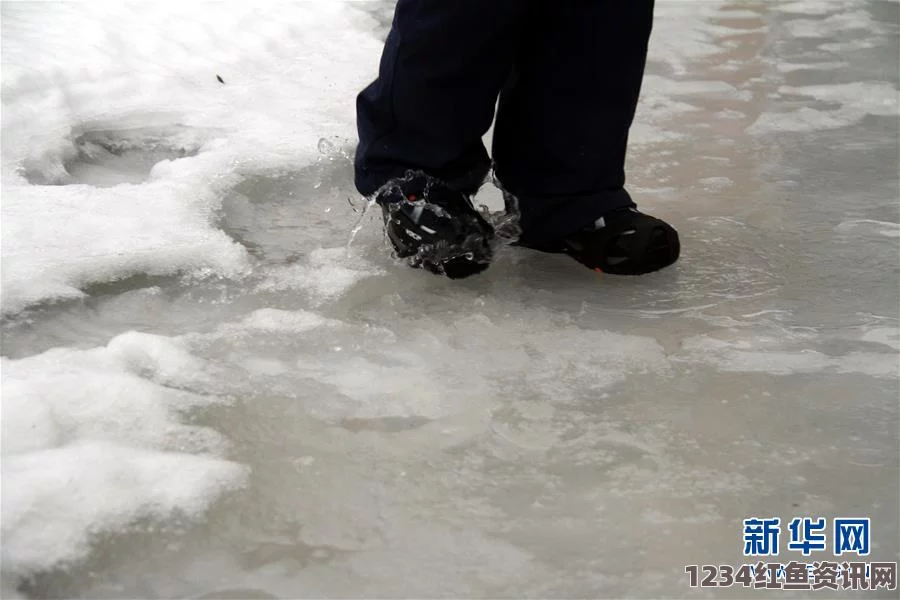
76,70
217,383
59,239
93,439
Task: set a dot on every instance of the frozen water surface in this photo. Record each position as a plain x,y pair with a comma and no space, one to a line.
207,394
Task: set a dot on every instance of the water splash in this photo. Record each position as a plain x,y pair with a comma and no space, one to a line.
359,223
332,150
326,147
505,223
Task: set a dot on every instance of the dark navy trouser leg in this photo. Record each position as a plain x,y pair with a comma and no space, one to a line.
443,65
563,119
564,115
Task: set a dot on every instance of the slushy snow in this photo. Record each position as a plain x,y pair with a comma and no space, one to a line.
71,70
94,439
189,329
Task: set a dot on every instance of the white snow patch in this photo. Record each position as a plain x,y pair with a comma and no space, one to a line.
57,239
56,499
93,440
80,69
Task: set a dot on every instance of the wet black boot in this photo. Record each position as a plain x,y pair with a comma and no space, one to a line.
435,227
624,241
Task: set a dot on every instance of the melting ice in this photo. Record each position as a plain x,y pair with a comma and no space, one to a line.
207,393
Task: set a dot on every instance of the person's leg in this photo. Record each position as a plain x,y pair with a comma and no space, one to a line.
563,120
443,65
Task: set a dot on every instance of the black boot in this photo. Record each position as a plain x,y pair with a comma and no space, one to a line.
624,241
435,227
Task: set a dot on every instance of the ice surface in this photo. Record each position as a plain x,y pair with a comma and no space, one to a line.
207,392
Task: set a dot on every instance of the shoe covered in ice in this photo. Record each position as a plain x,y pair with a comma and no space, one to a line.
624,241
435,227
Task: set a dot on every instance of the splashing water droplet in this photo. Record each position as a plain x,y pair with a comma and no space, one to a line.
359,223
326,147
